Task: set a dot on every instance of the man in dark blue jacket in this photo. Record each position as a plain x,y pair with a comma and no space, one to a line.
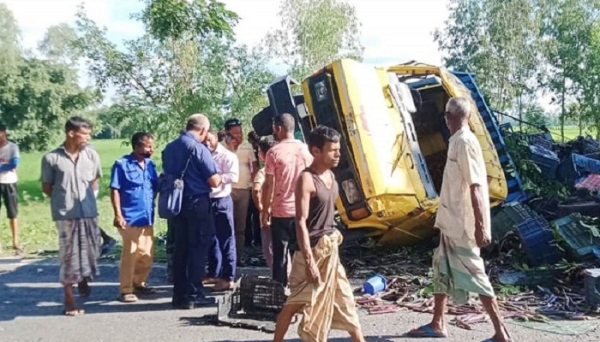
193,227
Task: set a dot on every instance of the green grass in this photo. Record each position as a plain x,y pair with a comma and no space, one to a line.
571,132
37,231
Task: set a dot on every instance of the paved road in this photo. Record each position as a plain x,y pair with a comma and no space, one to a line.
30,306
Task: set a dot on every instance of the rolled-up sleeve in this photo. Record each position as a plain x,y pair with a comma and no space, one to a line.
471,163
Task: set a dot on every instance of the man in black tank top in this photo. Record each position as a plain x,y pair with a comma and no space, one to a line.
320,290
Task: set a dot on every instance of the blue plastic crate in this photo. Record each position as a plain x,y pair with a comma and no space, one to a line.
546,160
579,239
583,163
538,242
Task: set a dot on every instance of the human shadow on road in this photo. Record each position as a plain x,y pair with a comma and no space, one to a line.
31,289
212,321
334,339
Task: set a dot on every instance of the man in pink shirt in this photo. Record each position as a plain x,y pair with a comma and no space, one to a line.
283,165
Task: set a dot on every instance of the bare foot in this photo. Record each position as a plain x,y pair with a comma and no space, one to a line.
73,311
70,307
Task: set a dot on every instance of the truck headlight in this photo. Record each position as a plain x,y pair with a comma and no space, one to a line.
351,191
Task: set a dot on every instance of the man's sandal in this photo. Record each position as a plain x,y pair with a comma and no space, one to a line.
426,331
128,298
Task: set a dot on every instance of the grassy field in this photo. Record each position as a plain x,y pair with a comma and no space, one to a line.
571,132
37,231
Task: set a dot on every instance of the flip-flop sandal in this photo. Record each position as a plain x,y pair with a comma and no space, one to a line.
128,298
426,331
73,313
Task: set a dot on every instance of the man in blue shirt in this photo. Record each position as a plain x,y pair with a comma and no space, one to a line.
193,228
133,183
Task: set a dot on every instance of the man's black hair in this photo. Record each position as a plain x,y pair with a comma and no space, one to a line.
229,124
321,135
265,144
138,138
2,128
76,123
285,121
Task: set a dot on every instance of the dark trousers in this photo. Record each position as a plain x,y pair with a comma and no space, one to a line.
283,234
222,255
253,231
193,231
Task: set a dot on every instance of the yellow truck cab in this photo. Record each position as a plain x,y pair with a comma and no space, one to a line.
394,143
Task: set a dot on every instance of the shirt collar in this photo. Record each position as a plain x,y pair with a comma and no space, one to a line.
460,132
219,149
190,135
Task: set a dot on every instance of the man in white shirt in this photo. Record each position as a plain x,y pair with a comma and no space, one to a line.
242,189
222,255
9,160
463,219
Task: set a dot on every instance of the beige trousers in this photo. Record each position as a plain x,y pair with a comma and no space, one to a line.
136,257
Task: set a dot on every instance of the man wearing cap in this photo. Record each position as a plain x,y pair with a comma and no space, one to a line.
241,191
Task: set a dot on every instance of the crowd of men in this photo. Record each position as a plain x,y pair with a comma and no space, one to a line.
294,195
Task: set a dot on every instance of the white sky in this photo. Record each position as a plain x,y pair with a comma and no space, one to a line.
393,31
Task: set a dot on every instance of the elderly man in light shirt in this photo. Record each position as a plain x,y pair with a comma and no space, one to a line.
222,255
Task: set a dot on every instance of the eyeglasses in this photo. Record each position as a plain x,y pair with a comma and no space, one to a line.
232,123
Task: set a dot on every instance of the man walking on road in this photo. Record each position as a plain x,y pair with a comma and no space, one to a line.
133,183
193,228
463,219
241,192
222,255
9,161
283,164
70,176
319,287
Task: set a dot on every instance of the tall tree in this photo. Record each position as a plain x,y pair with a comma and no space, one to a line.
36,96
59,45
566,28
497,41
312,33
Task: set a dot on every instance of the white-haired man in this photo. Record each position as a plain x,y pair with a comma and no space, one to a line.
193,228
463,219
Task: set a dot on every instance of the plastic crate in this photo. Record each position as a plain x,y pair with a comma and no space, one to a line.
583,163
538,241
506,219
540,140
254,299
579,239
546,160
592,287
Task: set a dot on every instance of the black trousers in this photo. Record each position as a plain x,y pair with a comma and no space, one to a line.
283,234
193,233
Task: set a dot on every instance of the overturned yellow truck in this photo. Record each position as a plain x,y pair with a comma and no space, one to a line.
394,142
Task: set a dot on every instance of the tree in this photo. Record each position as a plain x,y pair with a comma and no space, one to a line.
566,28
186,62
59,44
313,33
36,96
497,41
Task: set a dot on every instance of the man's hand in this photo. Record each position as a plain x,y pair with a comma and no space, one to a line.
119,222
265,219
482,237
312,273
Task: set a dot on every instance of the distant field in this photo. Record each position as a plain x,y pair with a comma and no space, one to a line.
571,132
36,226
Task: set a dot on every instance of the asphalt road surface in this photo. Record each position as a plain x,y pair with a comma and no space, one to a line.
30,310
